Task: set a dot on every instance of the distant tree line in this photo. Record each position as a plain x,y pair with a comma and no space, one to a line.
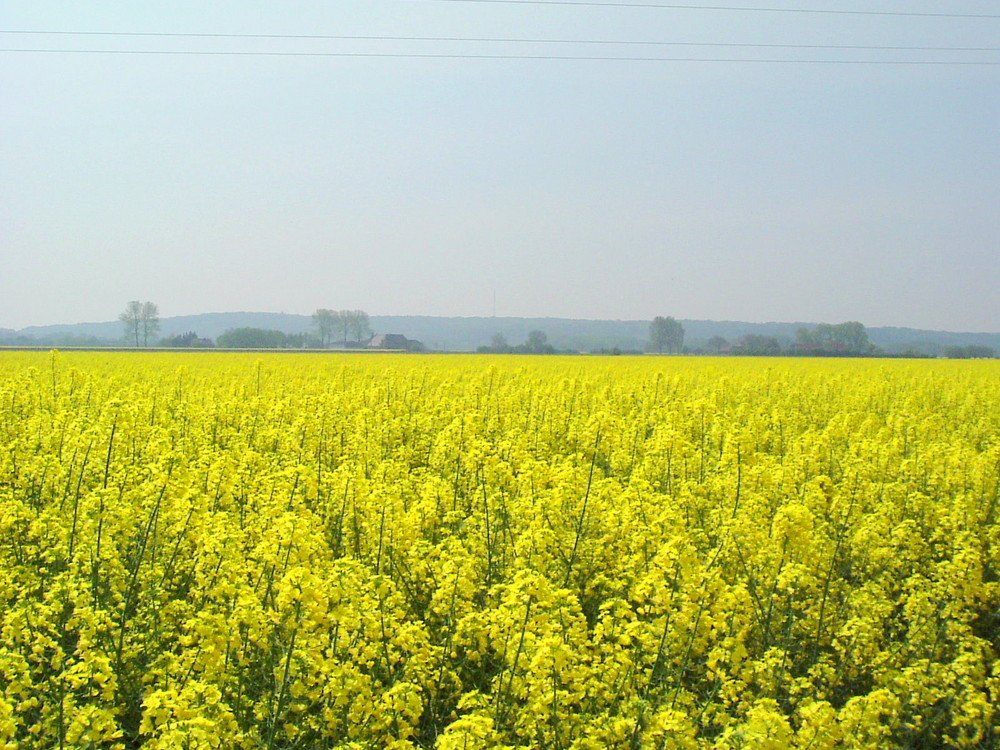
348,328
189,340
351,329
849,339
536,343
823,340
666,336
970,352
264,338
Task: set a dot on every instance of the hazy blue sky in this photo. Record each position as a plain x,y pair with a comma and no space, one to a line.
573,188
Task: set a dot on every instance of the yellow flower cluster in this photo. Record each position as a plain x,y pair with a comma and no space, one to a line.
349,551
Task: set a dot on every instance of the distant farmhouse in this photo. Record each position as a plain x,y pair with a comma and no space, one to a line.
395,341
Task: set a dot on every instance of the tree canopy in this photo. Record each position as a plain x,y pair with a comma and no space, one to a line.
536,342
666,334
253,338
850,336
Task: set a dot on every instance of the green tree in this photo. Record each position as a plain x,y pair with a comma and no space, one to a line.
666,334
825,338
852,336
189,340
498,344
717,344
805,338
538,343
252,338
759,346
971,351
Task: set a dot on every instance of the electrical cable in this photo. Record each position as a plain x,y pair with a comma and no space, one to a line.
503,40
752,9
457,56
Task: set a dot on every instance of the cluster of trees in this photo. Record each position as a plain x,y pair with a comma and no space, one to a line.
536,343
755,345
717,344
349,327
970,352
842,338
264,338
141,320
346,325
189,340
824,340
666,334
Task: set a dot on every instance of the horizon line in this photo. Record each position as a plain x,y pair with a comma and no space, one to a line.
514,317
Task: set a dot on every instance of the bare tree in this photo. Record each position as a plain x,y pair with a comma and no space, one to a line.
342,325
359,324
342,319
326,323
149,321
141,320
132,318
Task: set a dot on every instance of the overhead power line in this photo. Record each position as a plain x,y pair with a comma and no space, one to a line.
749,9
501,40
457,56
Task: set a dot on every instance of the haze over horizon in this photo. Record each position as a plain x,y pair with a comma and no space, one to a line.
848,189
165,319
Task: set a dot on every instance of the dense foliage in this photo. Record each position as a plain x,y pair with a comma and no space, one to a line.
263,338
319,551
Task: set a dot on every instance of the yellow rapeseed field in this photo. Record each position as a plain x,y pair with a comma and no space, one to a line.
210,550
